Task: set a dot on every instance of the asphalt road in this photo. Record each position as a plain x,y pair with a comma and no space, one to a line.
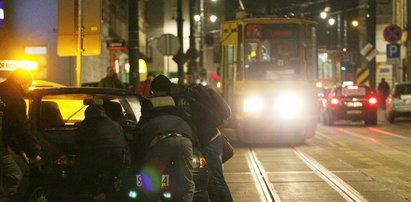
346,162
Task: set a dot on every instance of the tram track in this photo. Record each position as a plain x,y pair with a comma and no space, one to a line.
270,194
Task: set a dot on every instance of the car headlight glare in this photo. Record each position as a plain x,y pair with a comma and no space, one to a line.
253,104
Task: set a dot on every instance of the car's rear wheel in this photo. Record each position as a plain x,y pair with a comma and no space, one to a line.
389,116
40,194
329,120
371,121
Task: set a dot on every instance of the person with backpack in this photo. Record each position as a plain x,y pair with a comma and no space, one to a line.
165,136
207,110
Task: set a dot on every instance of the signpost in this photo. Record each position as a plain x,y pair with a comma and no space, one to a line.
393,54
392,33
168,45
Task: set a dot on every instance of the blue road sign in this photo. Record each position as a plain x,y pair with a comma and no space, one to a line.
393,54
392,33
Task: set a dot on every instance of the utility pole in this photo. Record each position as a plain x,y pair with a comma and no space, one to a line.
79,41
133,43
371,39
180,54
268,8
407,66
192,53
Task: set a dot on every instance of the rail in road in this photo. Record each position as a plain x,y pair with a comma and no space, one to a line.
270,194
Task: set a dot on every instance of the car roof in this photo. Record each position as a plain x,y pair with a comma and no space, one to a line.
75,90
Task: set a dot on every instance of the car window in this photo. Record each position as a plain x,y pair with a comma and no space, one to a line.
67,110
403,89
354,91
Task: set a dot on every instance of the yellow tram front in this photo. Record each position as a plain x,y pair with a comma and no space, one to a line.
269,69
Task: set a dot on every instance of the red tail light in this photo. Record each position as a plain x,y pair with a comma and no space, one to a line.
372,100
335,101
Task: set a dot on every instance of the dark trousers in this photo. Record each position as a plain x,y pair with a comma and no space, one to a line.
11,175
158,159
218,190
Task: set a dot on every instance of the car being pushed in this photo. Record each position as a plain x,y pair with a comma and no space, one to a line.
398,103
353,103
56,113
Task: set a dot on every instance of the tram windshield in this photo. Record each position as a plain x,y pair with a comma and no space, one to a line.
271,51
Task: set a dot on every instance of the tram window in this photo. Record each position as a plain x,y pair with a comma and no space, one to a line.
231,59
311,53
266,48
252,51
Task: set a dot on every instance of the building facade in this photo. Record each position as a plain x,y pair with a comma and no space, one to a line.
35,24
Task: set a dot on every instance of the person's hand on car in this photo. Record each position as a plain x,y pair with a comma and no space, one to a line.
37,162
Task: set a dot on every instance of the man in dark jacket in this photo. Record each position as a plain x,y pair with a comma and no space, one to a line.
167,137
16,133
103,152
207,110
111,80
383,91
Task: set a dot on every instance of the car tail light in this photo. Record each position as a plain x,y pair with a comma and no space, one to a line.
62,160
335,101
372,100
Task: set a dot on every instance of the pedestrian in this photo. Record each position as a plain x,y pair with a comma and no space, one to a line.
166,137
16,133
111,80
383,91
207,110
103,153
144,88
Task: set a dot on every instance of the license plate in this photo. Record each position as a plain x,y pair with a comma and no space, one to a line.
164,180
354,104
354,112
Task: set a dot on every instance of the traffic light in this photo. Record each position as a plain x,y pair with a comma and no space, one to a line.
343,68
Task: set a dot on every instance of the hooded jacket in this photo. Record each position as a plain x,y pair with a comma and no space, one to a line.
16,133
98,133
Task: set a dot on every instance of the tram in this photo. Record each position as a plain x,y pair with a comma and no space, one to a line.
269,72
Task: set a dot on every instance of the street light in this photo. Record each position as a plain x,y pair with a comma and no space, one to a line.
331,21
197,18
323,15
355,23
213,18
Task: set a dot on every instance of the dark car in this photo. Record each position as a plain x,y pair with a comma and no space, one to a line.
353,103
56,113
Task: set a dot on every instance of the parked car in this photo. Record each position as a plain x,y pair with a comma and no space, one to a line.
352,103
398,103
56,113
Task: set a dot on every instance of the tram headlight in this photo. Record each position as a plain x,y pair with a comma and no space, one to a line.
253,105
289,105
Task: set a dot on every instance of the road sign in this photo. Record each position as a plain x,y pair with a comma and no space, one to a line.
392,33
369,52
393,54
117,44
168,44
67,27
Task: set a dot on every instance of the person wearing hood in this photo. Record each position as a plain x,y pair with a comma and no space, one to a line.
16,133
102,153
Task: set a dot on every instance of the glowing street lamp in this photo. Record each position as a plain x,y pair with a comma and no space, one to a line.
331,21
213,18
355,23
197,18
323,15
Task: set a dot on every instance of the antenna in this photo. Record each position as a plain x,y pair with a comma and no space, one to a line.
241,5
